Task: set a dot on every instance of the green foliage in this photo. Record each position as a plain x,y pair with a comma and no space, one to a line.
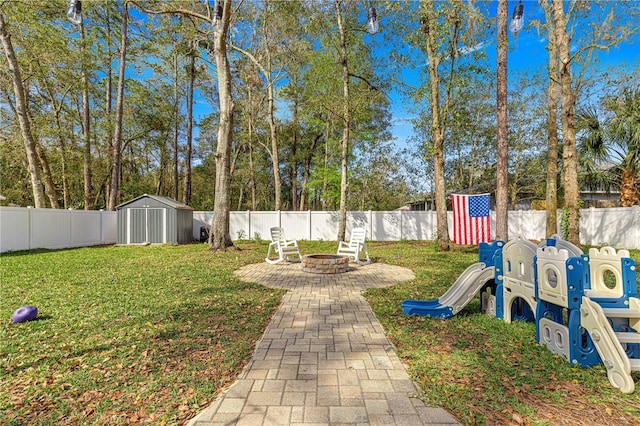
317,186
564,222
301,42
609,145
13,169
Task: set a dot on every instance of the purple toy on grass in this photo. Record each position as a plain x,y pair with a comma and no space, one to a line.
25,313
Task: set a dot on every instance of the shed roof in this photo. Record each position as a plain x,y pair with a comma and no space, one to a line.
162,199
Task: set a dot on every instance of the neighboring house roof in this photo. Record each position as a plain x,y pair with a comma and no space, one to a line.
164,200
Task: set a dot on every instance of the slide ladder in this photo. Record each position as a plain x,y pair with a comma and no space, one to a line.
609,344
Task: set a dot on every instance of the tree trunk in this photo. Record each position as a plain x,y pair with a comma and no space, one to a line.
108,97
252,173
46,175
502,167
307,172
552,127
273,134
346,122
474,154
25,126
219,238
86,127
325,178
275,158
161,168
437,134
66,196
518,163
569,151
117,133
186,192
46,171
294,147
176,126
628,189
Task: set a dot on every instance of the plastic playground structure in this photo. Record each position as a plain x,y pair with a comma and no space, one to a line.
586,307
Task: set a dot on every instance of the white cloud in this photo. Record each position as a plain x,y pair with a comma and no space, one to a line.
403,121
465,50
470,49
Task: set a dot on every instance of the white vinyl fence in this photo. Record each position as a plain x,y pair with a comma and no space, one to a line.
29,228
618,227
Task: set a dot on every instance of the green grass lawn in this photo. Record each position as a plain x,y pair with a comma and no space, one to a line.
125,334
128,335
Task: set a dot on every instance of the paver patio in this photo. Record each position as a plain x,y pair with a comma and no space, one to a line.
324,358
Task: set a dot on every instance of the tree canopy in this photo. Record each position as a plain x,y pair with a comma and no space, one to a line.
290,120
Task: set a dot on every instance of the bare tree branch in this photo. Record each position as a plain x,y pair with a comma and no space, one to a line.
365,80
178,11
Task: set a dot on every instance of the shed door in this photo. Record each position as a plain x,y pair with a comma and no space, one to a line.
137,226
146,224
155,225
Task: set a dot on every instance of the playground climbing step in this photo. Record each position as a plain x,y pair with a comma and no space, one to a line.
620,313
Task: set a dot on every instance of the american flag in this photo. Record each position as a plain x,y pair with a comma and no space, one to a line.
471,218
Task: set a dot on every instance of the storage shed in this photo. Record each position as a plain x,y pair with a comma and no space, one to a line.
154,219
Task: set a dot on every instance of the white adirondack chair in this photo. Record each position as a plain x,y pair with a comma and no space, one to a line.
283,248
356,246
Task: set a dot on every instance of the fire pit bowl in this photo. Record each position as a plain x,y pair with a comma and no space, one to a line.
325,263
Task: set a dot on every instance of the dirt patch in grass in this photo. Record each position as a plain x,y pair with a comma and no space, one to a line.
576,409
510,400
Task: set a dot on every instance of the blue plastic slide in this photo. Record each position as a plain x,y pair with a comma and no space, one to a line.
456,298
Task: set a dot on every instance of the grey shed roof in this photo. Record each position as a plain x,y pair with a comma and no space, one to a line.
165,200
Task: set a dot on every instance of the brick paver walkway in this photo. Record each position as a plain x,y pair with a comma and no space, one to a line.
324,358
